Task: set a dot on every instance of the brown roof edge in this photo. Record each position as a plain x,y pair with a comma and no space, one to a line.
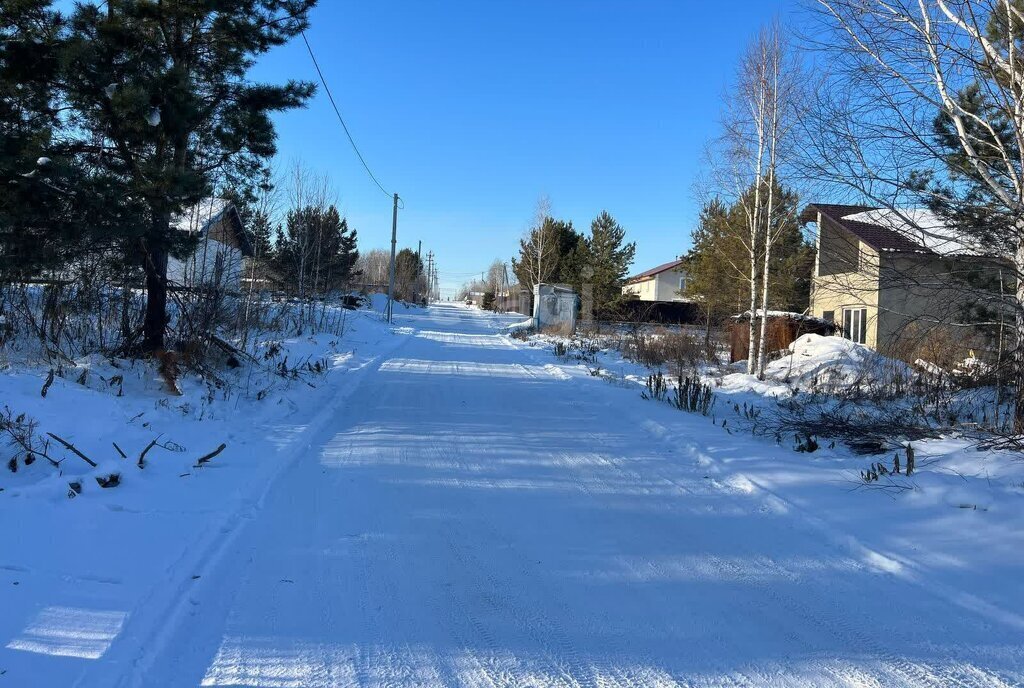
664,267
243,236
876,236
835,211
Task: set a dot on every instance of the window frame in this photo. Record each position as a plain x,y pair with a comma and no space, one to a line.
855,321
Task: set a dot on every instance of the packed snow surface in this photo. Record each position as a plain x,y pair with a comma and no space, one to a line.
466,510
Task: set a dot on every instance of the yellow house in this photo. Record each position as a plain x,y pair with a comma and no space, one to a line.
895,279
663,283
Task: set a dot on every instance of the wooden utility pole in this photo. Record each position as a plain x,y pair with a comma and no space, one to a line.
419,264
391,276
430,275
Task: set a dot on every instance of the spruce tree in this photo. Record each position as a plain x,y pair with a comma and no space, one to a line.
608,258
160,94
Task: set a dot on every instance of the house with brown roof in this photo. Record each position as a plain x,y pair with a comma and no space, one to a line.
892,278
662,283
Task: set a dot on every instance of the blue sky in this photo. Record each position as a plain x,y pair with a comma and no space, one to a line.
472,110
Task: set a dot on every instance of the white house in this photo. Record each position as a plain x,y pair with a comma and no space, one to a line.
222,244
663,283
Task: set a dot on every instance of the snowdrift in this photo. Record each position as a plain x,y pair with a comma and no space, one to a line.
824,363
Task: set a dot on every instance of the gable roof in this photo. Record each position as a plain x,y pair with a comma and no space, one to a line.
647,274
905,230
876,236
203,215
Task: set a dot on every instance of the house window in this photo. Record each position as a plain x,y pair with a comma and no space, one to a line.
828,316
682,283
855,324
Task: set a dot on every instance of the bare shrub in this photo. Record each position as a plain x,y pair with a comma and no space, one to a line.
688,394
20,433
940,345
678,350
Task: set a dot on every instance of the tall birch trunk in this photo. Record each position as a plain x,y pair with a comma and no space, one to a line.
1018,353
762,343
773,57
755,230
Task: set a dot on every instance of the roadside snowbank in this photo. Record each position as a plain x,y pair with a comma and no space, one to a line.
75,553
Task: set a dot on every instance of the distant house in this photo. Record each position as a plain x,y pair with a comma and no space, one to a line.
662,283
222,244
881,273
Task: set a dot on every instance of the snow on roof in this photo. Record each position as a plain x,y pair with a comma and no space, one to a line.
789,315
922,227
201,215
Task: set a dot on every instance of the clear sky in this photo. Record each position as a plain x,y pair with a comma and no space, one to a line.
471,110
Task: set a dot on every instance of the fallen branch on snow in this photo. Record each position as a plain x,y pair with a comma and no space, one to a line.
73,449
208,457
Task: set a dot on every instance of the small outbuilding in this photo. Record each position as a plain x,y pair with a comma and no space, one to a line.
554,308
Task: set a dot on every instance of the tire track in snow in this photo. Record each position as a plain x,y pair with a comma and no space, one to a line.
575,669
823,616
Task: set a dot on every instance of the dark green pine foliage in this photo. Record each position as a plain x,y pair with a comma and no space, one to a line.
562,259
244,193
962,195
792,256
408,270
717,265
340,256
160,95
608,257
28,34
316,251
261,235
47,204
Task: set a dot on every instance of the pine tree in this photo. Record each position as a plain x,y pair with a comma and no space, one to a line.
608,258
316,251
48,204
408,273
715,277
552,250
160,95
716,266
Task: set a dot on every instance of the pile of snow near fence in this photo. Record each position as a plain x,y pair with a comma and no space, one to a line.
815,362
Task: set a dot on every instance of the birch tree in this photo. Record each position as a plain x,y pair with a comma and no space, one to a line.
756,122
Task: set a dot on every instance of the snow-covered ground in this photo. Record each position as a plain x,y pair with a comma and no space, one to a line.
450,506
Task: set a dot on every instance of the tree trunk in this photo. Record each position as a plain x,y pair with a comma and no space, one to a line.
751,339
762,344
154,263
1018,354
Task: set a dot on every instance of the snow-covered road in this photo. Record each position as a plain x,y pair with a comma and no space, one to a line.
479,516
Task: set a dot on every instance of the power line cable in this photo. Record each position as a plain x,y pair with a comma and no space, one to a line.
341,119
